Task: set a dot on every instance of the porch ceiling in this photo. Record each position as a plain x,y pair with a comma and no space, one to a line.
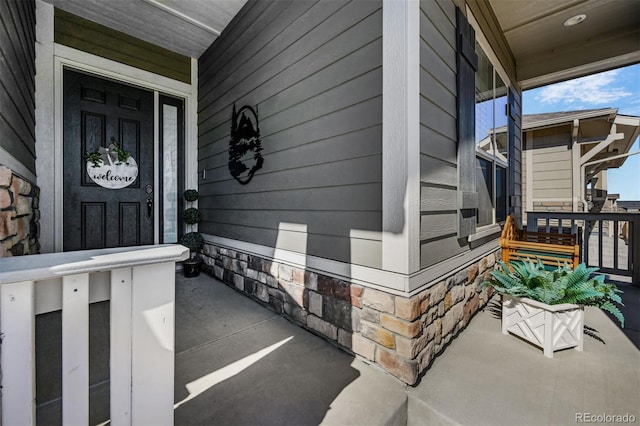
546,51
185,27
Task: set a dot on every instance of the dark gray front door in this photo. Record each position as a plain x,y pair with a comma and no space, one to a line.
95,111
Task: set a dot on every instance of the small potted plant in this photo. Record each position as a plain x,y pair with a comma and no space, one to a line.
546,307
193,239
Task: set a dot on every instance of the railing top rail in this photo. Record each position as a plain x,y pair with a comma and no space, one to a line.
584,216
51,265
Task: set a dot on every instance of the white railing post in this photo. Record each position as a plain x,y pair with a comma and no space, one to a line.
75,349
17,332
120,347
152,351
142,293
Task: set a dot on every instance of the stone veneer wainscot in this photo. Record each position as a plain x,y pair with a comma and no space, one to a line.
401,334
19,215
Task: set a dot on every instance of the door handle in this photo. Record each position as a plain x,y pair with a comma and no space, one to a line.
148,189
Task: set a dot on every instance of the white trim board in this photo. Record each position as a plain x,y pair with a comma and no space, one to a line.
103,67
156,170
450,267
488,49
396,283
364,275
16,166
45,122
191,130
528,153
564,200
401,136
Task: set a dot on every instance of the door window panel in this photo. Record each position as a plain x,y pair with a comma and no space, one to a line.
170,173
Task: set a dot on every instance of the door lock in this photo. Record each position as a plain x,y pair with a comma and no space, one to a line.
148,189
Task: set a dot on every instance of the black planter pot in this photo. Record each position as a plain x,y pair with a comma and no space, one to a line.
191,267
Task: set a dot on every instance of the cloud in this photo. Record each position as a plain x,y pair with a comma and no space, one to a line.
592,90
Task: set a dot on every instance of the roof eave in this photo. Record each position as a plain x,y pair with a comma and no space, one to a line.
568,119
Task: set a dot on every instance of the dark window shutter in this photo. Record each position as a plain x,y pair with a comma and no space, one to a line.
467,64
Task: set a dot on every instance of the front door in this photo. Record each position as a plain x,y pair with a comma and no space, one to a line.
105,209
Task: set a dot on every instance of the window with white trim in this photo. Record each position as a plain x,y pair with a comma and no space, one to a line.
491,141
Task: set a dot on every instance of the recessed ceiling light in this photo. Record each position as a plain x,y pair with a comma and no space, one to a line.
574,20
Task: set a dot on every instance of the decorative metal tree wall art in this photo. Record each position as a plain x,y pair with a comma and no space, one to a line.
245,147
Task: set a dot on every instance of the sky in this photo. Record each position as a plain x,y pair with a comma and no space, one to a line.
619,88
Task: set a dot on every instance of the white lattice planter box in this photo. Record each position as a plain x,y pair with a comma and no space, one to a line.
550,327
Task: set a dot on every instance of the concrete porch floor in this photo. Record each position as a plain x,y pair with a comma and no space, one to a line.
257,368
238,363
483,377
486,378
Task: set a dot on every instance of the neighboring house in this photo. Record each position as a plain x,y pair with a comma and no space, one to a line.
566,156
598,203
628,206
365,213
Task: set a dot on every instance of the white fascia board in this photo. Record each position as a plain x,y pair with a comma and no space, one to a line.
627,120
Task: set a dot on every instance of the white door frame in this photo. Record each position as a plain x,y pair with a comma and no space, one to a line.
66,57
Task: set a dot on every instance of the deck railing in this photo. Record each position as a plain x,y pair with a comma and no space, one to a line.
609,241
140,284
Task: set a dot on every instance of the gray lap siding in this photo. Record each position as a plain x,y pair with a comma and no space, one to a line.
313,70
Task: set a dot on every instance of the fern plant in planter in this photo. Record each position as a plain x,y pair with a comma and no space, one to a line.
193,239
546,307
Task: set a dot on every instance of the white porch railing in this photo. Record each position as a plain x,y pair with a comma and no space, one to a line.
140,282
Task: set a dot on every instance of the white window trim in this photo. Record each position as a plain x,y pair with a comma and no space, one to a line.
484,43
493,158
